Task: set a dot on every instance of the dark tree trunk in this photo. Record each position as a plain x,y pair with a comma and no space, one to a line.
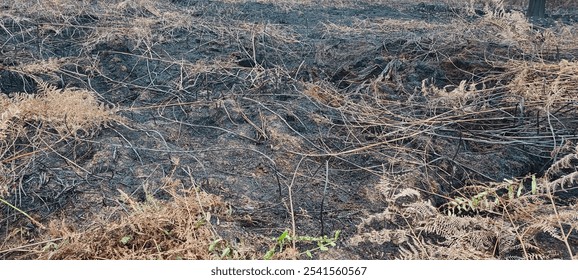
536,8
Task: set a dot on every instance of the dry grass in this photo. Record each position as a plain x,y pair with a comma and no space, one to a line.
183,228
119,105
44,119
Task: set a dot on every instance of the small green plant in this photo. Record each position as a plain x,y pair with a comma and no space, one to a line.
50,246
534,185
478,202
322,243
125,239
281,241
489,199
222,249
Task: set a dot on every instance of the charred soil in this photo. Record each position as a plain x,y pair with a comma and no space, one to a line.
205,129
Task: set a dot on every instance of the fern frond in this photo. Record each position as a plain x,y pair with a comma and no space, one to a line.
407,193
380,237
568,161
566,180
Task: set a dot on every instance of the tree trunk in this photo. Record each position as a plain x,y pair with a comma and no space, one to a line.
536,8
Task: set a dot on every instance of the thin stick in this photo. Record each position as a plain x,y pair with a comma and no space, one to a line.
515,228
274,165
293,227
23,213
558,219
323,198
20,248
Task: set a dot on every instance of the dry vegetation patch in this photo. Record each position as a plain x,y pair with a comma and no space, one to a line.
438,130
179,229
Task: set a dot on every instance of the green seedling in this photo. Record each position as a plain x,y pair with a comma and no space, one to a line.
489,199
125,239
280,242
220,247
322,243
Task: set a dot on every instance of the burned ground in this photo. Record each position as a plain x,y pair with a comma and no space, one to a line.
437,131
